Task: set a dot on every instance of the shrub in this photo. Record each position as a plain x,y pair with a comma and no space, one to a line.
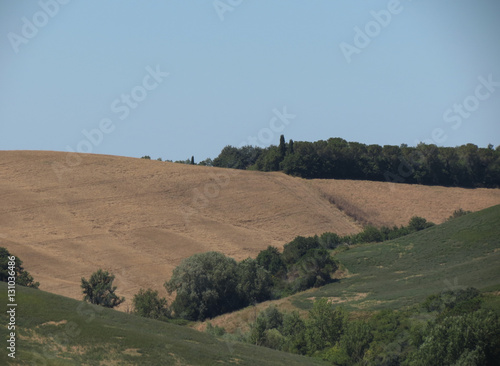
458,213
215,331
148,304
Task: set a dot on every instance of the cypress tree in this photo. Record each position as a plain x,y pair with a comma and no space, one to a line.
282,147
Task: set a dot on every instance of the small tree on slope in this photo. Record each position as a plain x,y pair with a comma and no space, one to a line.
99,290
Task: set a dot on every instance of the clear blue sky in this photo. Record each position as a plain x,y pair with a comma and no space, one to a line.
67,68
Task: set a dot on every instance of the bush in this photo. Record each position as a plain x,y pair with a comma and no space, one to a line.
370,234
215,331
454,301
458,213
148,304
419,223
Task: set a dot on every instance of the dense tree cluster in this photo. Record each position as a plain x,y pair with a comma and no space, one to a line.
463,166
450,328
211,284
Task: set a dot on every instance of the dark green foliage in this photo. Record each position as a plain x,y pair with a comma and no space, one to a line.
23,278
325,325
384,338
192,160
391,338
468,339
282,147
458,213
464,166
294,331
254,282
297,248
148,304
329,240
353,344
314,269
267,320
147,157
270,259
237,158
270,160
99,290
418,223
206,286
370,234
453,302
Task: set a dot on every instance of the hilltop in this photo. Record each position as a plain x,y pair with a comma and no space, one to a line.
65,215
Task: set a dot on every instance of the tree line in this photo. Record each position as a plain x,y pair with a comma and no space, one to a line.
461,166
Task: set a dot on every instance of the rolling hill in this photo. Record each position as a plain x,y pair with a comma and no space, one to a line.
396,274
82,334
66,215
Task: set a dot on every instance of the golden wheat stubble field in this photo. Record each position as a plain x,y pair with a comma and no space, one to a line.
139,218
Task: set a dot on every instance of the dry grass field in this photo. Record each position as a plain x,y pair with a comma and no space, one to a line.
139,218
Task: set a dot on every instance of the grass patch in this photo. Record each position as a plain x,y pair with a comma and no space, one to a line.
54,330
400,273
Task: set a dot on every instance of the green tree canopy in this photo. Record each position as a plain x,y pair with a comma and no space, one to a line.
23,277
205,286
148,304
254,282
270,259
99,289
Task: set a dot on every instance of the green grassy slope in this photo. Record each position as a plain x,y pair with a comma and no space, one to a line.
460,253
54,330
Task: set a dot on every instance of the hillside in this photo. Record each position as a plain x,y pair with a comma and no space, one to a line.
461,253
82,334
65,215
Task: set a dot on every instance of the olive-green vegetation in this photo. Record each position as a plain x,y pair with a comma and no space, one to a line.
211,284
463,166
449,328
149,304
54,330
14,268
462,252
99,289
